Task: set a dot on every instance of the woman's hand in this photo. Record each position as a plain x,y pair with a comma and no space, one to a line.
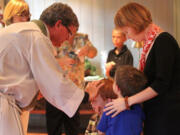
118,105
115,107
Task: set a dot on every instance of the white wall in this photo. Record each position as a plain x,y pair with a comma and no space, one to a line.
96,19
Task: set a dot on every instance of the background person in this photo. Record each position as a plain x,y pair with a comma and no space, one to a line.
70,56
120,55
16,11
160,62
1,19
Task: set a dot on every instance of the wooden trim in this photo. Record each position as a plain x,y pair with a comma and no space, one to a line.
176,19
82,112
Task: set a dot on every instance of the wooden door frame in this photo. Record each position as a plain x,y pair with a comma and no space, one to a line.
176,19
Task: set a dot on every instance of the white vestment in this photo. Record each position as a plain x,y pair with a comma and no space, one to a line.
27,64
10,122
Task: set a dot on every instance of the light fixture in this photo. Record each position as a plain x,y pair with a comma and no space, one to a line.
138,45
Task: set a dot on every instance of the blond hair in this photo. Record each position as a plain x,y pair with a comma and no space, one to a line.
13,8
133,15
119,31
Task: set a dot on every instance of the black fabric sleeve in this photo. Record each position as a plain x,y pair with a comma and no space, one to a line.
165,49
86,98
109,57
129,60
112,71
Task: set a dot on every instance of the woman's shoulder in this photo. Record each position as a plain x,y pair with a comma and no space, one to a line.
164,39
164,36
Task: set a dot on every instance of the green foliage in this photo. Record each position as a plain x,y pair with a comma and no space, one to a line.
89,67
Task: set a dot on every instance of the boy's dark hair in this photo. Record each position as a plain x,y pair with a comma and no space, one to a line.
129,80
106,90
59,11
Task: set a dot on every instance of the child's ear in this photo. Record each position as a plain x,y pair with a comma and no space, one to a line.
118,88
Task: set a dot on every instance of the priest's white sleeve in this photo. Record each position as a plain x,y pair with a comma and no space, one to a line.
59,91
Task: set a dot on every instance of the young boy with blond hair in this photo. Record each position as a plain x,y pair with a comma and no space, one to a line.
120,55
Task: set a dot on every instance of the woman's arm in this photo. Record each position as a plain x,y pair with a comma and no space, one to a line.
142,96
118,105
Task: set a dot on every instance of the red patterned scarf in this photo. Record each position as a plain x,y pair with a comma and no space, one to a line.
150,37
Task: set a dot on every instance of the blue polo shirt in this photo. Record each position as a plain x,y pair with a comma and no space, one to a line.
128,122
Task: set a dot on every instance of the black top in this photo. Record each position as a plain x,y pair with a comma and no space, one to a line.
163,66
163,72
123,58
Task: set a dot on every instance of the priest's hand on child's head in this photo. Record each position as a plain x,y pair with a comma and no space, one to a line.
92,88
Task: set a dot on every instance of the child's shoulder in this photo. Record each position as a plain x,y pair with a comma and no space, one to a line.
137,110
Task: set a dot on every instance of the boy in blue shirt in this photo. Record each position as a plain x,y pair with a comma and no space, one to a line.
127,82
